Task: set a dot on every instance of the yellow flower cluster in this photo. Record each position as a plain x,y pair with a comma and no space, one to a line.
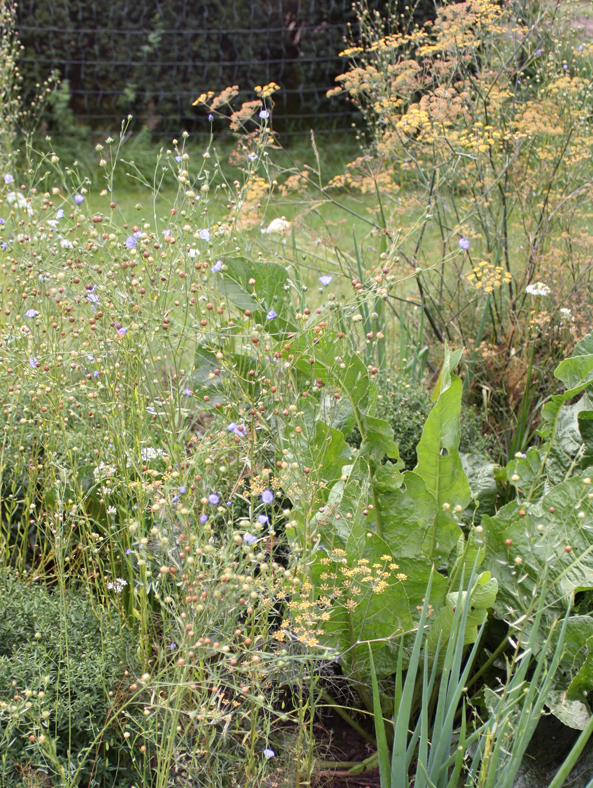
487,276
267,90
203,98
351,51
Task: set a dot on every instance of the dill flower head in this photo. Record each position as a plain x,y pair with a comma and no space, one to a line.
487,276
538,289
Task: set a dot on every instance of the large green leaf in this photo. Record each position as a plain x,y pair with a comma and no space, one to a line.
585,420
574,677
480,472
407,514
326,451
571,713
375,597
581,686
523,472
378,441
568,448
482,598
577,372
270,291
340,371
441,468
549,541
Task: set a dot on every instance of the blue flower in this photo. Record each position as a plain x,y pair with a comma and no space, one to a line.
239,430
130,242
214,498
96,374
172,646
30,313
538,51
137,234
271,315
78,199
325,279
463,243
4,245
249,538
267,496
1,221
210,117
264,114
60,214
205,234
182,490
8,178
269,753
187,392
92,297
263,518
121,331
128,551
203,518
33,362
252,156
217,266
178,158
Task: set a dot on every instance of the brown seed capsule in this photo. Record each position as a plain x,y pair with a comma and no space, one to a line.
508,542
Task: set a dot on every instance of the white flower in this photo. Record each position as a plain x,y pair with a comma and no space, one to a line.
20,200
149,453
277,226
66,244
566,313
538,289
117,585
104,471
192,253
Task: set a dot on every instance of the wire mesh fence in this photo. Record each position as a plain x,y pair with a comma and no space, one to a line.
152,58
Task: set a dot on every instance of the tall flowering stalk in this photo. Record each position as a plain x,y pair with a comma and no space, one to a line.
480,136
